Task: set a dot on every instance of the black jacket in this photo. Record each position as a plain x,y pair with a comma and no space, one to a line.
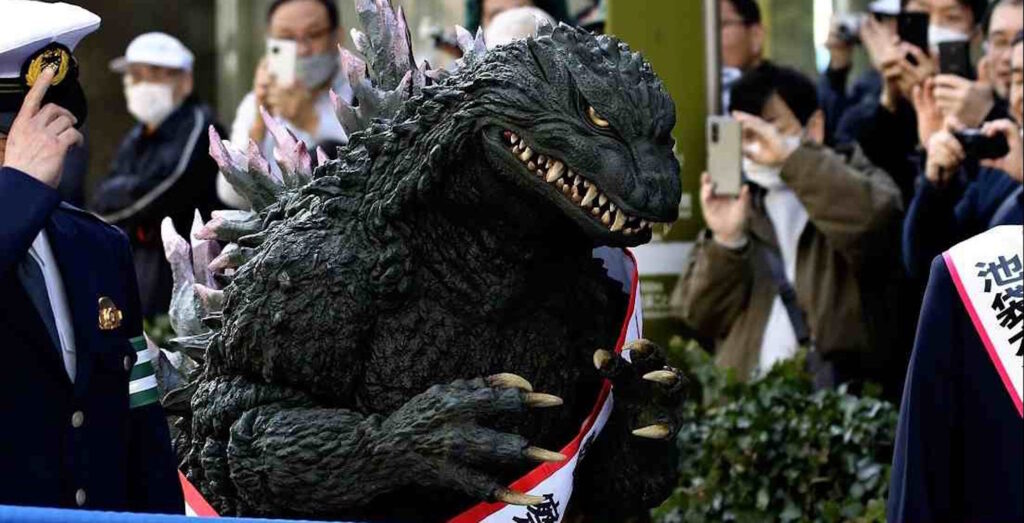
167,173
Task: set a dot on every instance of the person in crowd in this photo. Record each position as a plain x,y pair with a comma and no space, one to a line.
959,196
163,165
514,24
742,35
875,30
742,41
974,101
887,127
83,425
304,106
480,13
802,256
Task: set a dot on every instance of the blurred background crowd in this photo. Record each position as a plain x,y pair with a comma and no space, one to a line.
876,134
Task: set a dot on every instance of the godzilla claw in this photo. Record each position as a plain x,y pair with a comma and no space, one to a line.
539,454
601,358
541,400
512,497
656,431
664,377
506,380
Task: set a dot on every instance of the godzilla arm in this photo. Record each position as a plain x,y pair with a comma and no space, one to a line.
283,455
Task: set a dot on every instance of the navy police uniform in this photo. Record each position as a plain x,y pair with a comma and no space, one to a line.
959,454
84,431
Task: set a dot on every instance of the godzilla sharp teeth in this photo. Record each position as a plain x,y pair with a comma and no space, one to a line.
514,139
576,198
526,154
586,183
628,232
643,224
591,194
532,166
555,172
560,184
601,200
606,218
565,189
620,220
611,207
595,211
541,160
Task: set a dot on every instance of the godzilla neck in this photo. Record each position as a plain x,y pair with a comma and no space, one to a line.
472,254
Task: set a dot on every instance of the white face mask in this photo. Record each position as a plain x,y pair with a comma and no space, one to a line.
938,34
766,176
316,70
150,103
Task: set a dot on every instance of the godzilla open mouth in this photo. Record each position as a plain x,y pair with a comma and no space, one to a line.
576,188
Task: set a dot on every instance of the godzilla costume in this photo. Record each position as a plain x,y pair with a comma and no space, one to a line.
402,332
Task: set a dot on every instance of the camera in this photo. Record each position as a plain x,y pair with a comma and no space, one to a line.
980,147
848,28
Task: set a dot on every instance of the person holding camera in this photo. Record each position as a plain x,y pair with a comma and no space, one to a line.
304,104
972,180
791,261
887,127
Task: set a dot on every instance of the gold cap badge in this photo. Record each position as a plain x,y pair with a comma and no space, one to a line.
110,316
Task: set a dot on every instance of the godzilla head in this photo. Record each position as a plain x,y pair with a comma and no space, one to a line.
585,124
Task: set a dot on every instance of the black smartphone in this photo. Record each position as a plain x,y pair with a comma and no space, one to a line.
955,58
913,29
981,147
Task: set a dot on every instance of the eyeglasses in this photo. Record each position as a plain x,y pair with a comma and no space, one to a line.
307,39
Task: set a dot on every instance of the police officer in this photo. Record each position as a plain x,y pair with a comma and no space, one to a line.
82,426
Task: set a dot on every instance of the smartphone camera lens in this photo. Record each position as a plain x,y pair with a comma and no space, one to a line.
714,133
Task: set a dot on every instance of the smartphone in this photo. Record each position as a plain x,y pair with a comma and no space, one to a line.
981,147
913,29
725,155
282,56
955,58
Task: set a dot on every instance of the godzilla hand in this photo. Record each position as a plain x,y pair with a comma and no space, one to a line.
436,437
647,390
631,467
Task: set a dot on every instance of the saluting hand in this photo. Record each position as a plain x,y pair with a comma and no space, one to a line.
40,138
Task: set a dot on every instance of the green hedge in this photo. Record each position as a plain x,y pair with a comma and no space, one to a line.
774,450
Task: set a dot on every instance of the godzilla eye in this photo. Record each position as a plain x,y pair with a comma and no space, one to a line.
596,118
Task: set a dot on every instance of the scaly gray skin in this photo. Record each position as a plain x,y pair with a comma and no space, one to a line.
365,360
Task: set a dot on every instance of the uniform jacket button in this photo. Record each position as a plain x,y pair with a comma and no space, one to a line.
80,497
127,363
77,419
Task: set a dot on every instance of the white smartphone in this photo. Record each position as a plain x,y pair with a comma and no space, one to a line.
282,57
725,155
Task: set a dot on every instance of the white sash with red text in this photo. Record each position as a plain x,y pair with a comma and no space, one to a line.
554,481
989,277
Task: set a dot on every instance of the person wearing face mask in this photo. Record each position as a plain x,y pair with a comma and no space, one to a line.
303,106
802,258
959,196
162,166
887,127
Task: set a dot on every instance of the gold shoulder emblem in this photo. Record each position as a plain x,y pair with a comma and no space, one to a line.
110,316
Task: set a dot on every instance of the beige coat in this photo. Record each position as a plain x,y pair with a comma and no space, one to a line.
846,256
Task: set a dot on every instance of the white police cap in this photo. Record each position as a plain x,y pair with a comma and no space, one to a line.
155,48
35,35
28,26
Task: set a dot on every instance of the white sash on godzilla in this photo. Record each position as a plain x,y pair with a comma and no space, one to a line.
554,481
988,274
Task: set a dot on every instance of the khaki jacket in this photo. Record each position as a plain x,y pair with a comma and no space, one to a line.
845,256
